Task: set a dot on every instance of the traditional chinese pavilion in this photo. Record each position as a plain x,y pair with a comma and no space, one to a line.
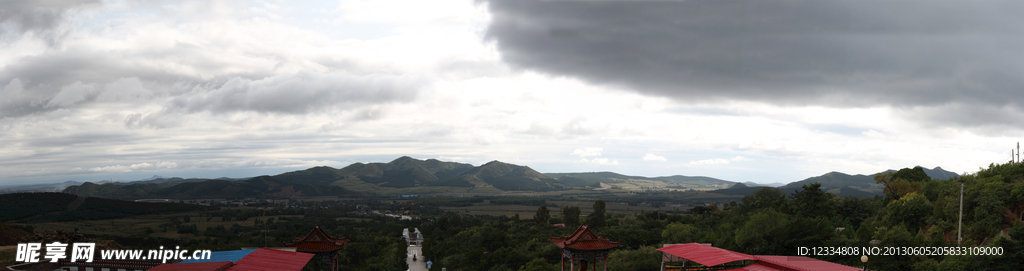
321,244
583,245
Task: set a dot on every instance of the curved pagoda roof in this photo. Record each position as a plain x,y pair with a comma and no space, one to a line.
583,239
318,241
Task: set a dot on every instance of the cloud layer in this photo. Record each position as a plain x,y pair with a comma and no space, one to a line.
124,90
44,19
786,52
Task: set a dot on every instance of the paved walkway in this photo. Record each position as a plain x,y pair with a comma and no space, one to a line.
419,264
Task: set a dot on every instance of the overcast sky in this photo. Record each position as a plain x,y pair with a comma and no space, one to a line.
759,90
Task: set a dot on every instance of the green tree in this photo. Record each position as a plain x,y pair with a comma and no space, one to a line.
677,233
500,267
990,195
811,201
642,259
766,197
896,236
538,265
543,215
915,174
911,210
571,215
853,211
763,233
596,219
905,181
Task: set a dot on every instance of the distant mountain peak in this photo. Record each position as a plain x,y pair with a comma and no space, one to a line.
402,159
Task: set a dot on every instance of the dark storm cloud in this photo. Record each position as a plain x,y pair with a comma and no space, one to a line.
42,17
839,53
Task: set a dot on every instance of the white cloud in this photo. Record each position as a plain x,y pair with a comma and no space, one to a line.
600,161
587,152
740,159
652,157
135,167
458,159
873,134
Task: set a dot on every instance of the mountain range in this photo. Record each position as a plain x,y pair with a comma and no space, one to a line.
592,179
403,175
407,175
842,184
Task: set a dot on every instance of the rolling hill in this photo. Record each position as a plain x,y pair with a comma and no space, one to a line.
262,186
408,172
696,180
859,185
404,175
593,178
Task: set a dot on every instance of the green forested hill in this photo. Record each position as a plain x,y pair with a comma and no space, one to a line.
836,180
592,178
697,180
843,184
506,176
262,186
596,177
403,173
409,172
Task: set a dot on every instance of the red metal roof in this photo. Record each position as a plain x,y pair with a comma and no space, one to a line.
583,239
802,263
318,241
272,260
712,256
705,254
201,266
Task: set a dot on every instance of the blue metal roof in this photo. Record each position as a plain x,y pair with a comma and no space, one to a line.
217,256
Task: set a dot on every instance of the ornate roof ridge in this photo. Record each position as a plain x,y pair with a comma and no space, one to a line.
318,232
583,235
